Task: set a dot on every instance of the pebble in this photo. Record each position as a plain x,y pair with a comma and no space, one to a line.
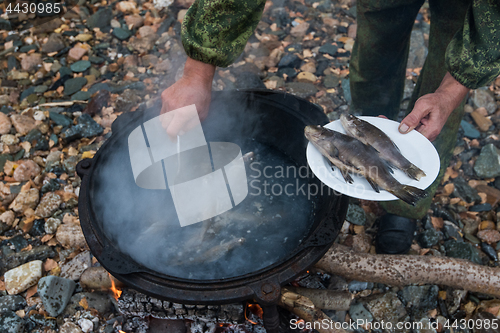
490,251
121,34
54,44
77,52
11,323
22,123
306,77
357,311
290,61
25,200
11,303
135,21
71,236
100,19
60,119
48,204
357,286
7,217
386,307
421,299
31,62
5,123
96,300
143,44
356,215
9,139
21,278
86,325
456,249
71,86
81,96
481,208
69,327
76,266
470,131
301,89
83,37
481,121
489,236
329,49
55,293
95,278
26,170
429,238
484,98
488,163
80,66
126,7
464,191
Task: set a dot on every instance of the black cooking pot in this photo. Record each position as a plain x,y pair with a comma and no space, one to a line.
270,119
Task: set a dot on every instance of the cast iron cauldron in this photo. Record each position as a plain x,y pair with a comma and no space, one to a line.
275,120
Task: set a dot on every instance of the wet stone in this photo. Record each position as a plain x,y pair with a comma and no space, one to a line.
456,249
429,238
80,66
464,191
469,131
11,303
71,86
55,293
11,323
121,34
60,119
329,49
488,163
356,215
21,278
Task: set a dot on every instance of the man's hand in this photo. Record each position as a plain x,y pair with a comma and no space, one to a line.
194,87
431,111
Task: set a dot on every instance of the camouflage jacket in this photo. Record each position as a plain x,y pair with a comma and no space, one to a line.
216,31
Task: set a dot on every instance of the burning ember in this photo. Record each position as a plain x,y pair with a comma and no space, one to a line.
255,310
116,292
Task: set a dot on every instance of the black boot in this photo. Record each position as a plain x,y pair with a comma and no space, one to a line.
394,235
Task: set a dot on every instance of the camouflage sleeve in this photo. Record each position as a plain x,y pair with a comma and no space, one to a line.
216,31
473,56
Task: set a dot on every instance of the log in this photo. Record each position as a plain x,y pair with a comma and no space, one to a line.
325,298
401,270
305,309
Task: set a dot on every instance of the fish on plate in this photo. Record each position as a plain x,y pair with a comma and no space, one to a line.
353,156
387,149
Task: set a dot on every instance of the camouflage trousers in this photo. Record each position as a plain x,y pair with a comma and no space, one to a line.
378,68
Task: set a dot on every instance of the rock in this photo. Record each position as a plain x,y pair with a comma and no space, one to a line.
492,194
99,301
100,19
89,127
469,130
16,259
301,89
146,30
490,251
329,49
51,225
25,200
77,52
121,34
358,311
420,299
481,208
126,7
484,98
452,231
456,249
60,119
55,293
21,278
308,67
299,30
418,50
134,21
248,80
80,66
386,307
11,303
22,123
69,327
71,86
95,278
331,81
481,121
488,163
163,66
143,44
54,44
464,191
290,61
31,62
5,24
81,96
7,217
74,269
356,215
5,123
489,236
306,77
26,171
429,238
149,60
71,236
86,325
9,139
11,323
48,204
485,317
357,286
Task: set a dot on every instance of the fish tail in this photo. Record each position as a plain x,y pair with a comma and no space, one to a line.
409,194
414,172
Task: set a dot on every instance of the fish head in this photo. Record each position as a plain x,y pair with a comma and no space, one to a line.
314,132
349,120
321,138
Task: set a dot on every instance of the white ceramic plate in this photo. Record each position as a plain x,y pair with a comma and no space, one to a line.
414,146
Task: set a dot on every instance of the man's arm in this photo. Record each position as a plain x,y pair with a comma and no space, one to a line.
472,60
